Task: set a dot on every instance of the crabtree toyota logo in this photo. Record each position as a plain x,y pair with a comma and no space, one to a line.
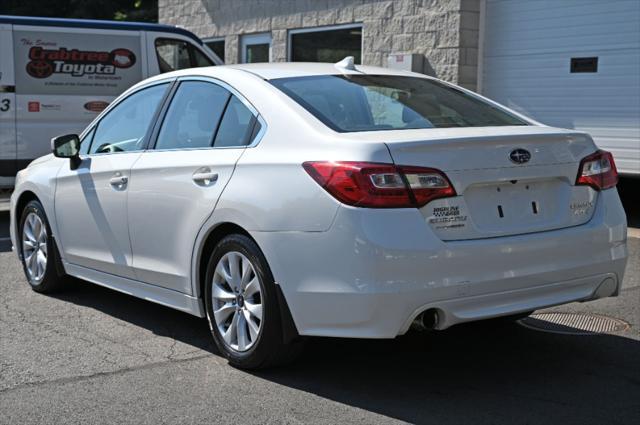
45,62
520,156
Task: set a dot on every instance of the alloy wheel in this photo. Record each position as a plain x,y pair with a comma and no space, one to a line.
34,247
237,301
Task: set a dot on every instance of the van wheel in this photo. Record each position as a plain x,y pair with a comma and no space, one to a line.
242,306
39,254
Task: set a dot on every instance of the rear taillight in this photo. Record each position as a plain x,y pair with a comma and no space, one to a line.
376,185
598,171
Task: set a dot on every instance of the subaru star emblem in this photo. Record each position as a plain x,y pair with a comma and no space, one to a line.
520,156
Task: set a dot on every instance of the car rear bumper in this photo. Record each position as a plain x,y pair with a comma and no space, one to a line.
374,271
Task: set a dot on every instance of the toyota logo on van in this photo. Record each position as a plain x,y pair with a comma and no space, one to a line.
520,156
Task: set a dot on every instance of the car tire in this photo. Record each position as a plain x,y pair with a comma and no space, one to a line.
242,306
40,258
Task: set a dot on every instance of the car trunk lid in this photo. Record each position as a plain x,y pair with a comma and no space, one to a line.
499,193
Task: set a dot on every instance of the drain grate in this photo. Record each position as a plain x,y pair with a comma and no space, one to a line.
574,323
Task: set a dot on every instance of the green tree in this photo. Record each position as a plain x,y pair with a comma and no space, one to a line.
129,10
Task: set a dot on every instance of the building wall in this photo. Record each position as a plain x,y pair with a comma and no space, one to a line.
444,31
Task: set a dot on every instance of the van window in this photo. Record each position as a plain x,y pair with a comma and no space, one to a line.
193,117
124,127
178,54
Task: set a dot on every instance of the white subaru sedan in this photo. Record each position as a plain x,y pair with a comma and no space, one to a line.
288,200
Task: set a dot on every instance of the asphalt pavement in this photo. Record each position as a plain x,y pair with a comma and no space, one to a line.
91,355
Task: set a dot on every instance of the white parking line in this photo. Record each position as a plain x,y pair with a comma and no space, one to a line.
633,232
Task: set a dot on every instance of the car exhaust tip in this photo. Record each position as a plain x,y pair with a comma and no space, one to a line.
427,320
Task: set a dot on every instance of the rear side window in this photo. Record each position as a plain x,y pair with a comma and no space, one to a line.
237,125
193,116
178,54
124,127
348,103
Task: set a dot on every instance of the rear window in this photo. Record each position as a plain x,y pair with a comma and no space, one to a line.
348,103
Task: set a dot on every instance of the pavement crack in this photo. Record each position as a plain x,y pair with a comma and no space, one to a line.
72,379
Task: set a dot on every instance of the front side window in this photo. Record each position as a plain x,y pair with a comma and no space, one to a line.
348,103
193,116
178,54
85,143
124,127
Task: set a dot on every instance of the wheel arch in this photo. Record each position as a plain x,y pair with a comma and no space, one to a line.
209,242
214,235
23,199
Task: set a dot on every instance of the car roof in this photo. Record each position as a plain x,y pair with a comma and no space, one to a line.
273,70
96,24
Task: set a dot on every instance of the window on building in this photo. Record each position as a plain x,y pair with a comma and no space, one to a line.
328,44
256,48
217,46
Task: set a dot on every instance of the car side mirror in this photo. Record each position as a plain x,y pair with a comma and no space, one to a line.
67,146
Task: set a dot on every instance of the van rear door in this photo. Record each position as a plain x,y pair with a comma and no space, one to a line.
7,107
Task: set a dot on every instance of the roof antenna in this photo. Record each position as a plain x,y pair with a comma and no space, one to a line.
346,63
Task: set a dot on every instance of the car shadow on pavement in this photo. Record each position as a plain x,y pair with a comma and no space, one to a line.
162,321
628,188
476,373
485,372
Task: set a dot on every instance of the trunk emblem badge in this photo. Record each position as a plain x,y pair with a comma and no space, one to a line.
520,156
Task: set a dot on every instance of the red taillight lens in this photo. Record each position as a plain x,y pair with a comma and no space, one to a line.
598,170
376,185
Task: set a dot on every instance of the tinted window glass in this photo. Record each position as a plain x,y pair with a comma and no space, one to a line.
199,59
327,46
85,143
383,102
236,126
218,48
178,54
193,116
172,54
257,53
124,127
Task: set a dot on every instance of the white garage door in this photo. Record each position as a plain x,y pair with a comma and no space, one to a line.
569,63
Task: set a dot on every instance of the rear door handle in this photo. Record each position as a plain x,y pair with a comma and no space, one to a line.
205,177
118,181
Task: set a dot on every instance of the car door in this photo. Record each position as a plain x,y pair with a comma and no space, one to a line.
91,200
175,186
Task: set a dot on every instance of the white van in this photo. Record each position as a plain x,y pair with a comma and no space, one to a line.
56,75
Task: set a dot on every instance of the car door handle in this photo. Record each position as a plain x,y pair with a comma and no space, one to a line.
205,177
119,181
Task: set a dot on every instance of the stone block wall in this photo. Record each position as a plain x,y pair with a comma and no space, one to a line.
444,31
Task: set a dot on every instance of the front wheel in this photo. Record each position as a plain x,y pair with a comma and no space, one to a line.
38,249
242,306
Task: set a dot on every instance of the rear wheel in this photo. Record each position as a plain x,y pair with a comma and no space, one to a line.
242,306
38,250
